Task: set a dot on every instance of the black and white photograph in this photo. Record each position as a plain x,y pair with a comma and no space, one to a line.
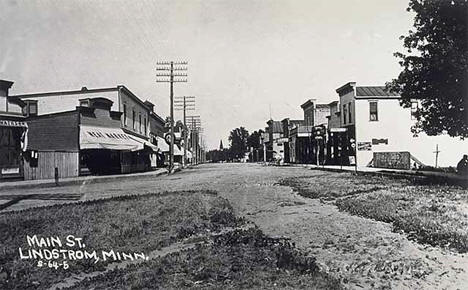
233,144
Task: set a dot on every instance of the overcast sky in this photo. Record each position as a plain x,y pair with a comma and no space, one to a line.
244,56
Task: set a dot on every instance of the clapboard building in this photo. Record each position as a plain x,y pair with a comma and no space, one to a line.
86,139
118,123
12,133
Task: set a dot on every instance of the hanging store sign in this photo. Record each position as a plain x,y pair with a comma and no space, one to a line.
338,130
9,123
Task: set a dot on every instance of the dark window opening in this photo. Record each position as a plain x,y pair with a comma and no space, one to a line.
373,111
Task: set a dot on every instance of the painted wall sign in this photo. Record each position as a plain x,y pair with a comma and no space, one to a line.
364,146
379,141
394,160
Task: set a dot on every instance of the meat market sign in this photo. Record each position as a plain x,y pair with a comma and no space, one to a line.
9,123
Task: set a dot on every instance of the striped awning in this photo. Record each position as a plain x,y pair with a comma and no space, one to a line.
92,137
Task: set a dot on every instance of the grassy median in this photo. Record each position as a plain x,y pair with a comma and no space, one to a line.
431,214
142,224
242,259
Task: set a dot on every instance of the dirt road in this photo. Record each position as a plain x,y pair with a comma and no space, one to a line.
361,252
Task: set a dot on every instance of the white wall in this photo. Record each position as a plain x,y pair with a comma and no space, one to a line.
63,103
139,109
394,123
3,101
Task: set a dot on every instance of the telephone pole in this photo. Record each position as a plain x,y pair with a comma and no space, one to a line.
195,129
184,103
168,73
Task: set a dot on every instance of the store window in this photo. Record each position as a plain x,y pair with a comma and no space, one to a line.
345,113
139,123
349,114
373,111
30,109
125,114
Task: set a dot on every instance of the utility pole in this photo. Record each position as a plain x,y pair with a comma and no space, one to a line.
195,128
169,75
436,155
185,103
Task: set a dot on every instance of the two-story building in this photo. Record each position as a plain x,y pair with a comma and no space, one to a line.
12,133
310,138
276,140
132,124
380,129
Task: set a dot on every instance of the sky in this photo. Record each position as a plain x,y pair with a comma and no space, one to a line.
244,57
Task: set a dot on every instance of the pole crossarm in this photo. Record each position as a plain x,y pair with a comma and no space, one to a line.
172,63
169,69
171,81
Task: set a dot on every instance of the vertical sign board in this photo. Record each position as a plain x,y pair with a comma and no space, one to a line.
393,160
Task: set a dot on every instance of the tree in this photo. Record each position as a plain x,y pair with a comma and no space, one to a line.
254,139
238,143
435,68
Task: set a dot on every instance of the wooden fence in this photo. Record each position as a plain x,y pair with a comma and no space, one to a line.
68,164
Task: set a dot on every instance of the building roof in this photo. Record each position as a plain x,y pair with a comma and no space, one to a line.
5,85
376,91
346,88
84,90
308,103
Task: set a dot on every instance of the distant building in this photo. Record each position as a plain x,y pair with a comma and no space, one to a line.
334,118
300,144
380,129
276,140
157,129
315,114
288,125
310,140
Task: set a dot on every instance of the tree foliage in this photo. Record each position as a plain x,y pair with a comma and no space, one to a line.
254,139
238,142
435,67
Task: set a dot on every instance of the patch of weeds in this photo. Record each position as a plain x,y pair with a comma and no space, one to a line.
139,223
242,259
418,215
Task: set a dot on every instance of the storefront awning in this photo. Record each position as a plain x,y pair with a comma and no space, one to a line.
177,151
145,142
162,145
107,138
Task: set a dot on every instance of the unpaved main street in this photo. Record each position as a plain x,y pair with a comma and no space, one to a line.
361,252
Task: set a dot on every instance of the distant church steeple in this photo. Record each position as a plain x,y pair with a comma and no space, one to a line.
221,145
